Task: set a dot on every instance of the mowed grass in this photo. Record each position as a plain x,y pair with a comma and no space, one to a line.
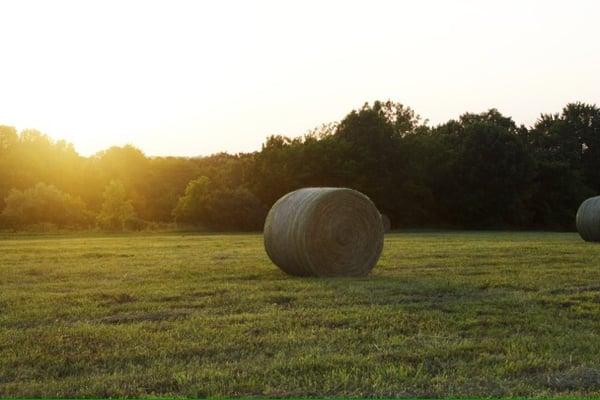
442,314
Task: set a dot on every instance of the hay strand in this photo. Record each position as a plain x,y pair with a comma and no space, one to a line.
588,219
324,232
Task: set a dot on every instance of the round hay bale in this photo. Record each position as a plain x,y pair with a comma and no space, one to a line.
588,219
387,224
324,232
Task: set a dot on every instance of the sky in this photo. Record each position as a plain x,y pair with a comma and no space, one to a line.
197,77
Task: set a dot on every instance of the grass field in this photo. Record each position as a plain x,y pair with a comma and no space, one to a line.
443,313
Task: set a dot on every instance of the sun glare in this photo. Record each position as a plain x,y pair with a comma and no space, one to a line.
192,78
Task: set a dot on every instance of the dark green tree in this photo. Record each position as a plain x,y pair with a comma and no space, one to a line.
373,147
211,207
486,175
567,153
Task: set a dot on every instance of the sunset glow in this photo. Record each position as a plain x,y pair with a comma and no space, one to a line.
189,78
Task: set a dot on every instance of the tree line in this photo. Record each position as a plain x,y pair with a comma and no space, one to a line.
478,171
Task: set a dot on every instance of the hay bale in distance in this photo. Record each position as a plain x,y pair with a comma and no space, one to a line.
588,219
387,224
324,232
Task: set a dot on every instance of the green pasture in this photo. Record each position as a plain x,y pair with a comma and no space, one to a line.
442,314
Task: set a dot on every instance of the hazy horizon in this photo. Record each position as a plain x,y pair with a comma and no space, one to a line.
189,79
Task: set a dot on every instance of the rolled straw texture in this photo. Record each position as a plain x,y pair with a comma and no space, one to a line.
588,219
324,232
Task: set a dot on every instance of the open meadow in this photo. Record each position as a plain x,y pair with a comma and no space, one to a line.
442,313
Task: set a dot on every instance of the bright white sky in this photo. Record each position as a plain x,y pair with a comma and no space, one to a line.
192,78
